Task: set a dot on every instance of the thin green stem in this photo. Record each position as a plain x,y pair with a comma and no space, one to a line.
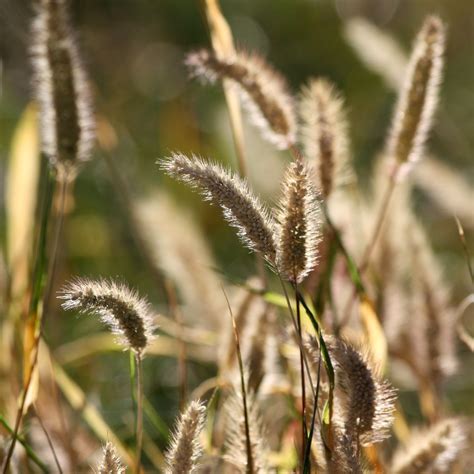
139,424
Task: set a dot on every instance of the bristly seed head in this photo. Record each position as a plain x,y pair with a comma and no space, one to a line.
185,450
419,96
324,132
110,461
61,88
241,208
126,314
298,223
263,90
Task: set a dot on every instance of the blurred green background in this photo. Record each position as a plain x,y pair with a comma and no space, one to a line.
134,52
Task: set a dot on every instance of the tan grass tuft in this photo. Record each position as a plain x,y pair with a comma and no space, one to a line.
324,132
111,463
435,449
241,208
264,91
185,450
419,95
298,224
61,88
126,314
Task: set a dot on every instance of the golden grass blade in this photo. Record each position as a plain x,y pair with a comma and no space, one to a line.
223,45
78,401
374,333
21,187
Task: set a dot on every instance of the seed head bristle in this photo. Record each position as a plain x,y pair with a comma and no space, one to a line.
419,96
365,402
61,88
298,223
111,463
119,307
264,91
235,442
435,449
241,208
185,450
324,133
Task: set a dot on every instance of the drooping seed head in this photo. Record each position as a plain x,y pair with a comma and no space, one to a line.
111,463
298,223
241,208
61,88
419,96
435,449
127,315
185,450
264,91
324,133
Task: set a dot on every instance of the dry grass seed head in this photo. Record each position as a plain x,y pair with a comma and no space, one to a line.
235,442
264,91
127,315
419,96
433,450
185,450
324,133
241,208
110,463
61,88
298,229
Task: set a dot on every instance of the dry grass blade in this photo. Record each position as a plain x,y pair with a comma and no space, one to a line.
241,208
263,89
186,449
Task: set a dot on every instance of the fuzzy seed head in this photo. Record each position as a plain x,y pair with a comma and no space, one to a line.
61,88
434,450
186,449
419,95
324,133
127,315
241,208
263,90
110,462
367,402
298,230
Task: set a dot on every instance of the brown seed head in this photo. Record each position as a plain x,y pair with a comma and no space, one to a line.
241,208
298,223
126,314
419,95
110,462
264,91
324,133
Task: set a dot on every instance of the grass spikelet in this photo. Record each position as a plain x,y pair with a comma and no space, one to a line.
185,449
366,402
419,95
61,88
110,461
235,443
264,91
126,314
434,449
324,132
241,208
298,224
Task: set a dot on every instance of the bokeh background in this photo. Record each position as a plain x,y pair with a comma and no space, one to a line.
147,106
